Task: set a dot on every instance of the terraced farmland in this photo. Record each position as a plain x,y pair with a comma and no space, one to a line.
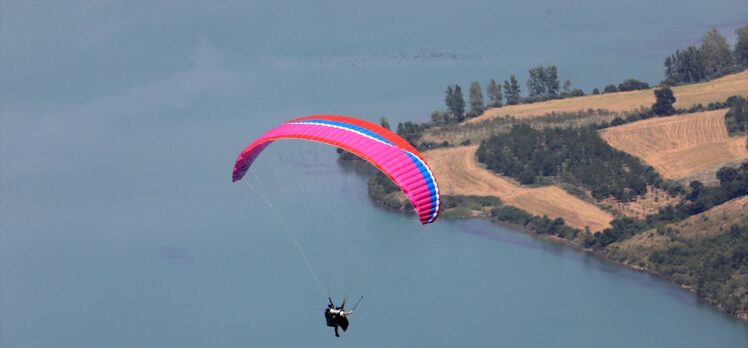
679,147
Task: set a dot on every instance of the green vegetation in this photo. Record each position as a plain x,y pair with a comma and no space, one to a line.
474,202
494,94
476,100
736,118
383,191
410,131
512,91
733,183
455,103
610,89
460,207
741,47
573,155
622,228
543,82
712,59
539,225
665,99
632,85
716,268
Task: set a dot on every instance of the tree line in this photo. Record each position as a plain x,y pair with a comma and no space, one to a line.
711,59
542,84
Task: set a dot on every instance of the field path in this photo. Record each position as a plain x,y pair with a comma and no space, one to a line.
680,146
459,173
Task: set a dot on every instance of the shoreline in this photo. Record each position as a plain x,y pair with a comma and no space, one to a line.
603,257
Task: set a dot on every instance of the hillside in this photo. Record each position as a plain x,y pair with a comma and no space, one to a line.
705,252
707,224
686,96
460,174
682,146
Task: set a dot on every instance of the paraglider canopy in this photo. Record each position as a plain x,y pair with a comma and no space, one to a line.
387,151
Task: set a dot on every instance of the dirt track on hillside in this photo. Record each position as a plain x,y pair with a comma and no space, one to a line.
458,173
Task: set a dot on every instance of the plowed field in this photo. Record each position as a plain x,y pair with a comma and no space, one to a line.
680,146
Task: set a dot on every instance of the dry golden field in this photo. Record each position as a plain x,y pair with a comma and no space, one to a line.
459,173
680,146
686,96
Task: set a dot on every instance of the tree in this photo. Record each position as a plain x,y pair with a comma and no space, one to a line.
727,174
459,104
610,89
543,82
455,102
449,98
685,66
512,91
736,119
715,52
439,117
476,100
664,101
696,187
536,82
410,131
384,123
551,81
632,85
566,90
595,91
741,46
494,94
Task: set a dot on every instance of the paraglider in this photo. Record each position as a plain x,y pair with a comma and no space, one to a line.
387,151
383,149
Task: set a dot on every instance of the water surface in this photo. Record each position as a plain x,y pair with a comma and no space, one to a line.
119,225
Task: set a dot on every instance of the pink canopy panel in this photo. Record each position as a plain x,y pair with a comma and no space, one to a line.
384,149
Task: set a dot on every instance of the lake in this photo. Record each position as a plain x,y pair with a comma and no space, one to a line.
120,227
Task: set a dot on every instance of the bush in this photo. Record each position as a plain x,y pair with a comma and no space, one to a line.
664,101
736,118
511,214
711,266
476,201
610,89
576,92
632,85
